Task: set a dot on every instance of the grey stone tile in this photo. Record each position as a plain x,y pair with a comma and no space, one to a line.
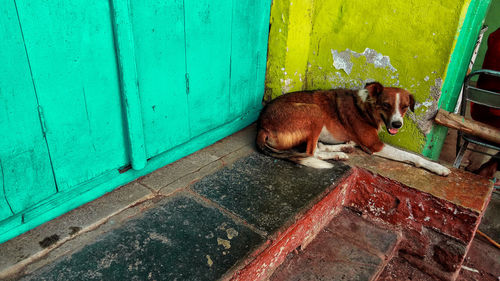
267,192
181,239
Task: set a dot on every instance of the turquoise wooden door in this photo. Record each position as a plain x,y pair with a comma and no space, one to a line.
161,71
249,31
208,59
200,64
25,171
73,62
89,88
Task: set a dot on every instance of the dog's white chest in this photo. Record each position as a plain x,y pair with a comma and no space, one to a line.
326,137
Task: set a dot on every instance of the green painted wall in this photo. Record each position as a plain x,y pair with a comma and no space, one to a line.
319,44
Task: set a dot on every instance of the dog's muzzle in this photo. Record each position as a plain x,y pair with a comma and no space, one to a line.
394,127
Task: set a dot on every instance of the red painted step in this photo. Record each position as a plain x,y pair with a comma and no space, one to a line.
434,232
348,248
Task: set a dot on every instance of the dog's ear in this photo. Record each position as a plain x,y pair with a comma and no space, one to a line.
374,88
412,103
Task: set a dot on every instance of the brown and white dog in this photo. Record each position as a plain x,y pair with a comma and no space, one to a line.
330,122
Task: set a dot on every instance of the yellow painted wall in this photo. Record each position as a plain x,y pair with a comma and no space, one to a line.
321,44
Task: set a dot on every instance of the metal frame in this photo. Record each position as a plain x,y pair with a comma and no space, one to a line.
461,148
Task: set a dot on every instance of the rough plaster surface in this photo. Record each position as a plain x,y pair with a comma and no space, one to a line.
342,60
324,44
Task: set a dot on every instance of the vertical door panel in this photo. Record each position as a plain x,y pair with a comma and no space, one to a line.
160,56
25,171
208,50
248,54
263,17
71,52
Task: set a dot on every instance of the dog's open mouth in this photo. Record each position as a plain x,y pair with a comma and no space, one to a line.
392,131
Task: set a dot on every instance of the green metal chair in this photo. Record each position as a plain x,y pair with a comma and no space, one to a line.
478,96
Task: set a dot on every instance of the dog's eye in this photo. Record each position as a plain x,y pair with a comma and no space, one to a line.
405,107
386,106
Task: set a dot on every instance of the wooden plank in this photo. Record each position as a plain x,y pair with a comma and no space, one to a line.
250,30
125,54
65,201
25,170
161,67
208,50
468,126
71,51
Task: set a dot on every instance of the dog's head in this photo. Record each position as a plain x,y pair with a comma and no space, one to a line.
390,104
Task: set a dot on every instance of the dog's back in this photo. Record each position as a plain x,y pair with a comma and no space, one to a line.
298,118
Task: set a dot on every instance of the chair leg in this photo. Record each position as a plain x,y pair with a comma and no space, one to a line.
457,146
460,154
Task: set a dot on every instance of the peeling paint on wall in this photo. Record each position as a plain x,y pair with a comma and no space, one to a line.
349,43
427,109
342,60
376,59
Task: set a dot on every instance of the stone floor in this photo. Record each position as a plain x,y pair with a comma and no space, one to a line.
203,231
210,229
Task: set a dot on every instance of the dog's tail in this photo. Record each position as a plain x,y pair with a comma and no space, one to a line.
291,155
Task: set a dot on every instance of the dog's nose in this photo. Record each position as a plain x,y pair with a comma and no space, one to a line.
396,124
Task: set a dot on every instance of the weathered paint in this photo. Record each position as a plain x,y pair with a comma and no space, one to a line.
25,169
97,86
77,86
158,28
351,42
127,70
277,43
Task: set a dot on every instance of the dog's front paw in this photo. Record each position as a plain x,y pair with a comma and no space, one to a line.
332,155
437,169
347,149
